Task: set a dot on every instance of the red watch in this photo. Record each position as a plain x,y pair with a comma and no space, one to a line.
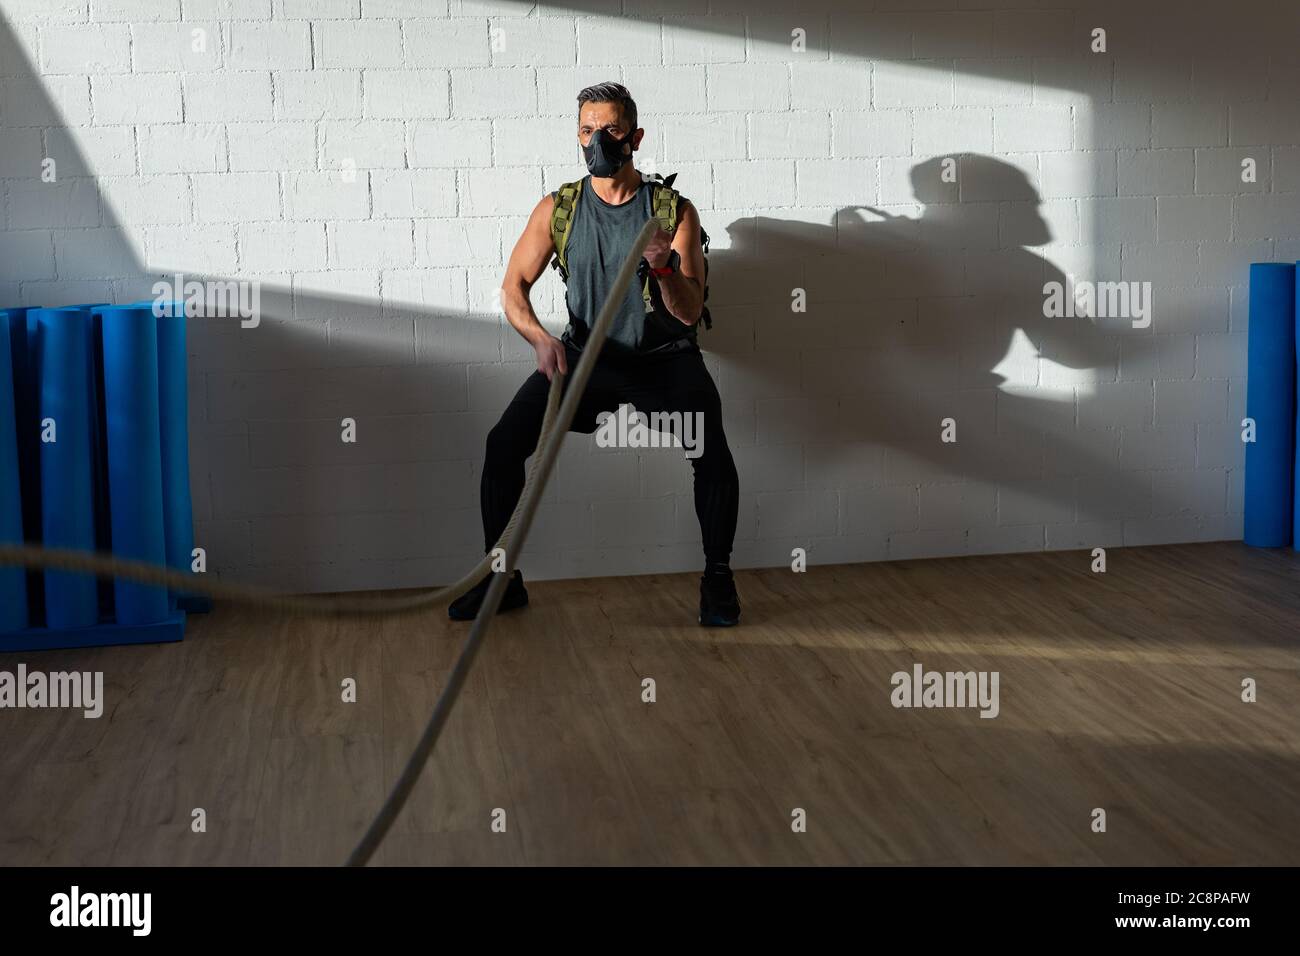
673,260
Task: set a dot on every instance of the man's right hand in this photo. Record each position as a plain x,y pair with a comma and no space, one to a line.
550,356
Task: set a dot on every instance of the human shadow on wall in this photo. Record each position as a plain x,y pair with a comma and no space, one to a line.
911,321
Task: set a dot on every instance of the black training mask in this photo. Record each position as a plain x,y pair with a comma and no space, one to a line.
604,154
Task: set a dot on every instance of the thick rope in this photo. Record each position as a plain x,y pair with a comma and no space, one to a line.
497,589
104,564
555,424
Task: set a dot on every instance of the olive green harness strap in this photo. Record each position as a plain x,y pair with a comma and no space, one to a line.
566,201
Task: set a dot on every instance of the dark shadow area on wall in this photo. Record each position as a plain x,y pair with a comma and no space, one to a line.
267,402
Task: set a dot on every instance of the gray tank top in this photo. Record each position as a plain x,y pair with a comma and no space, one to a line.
599,239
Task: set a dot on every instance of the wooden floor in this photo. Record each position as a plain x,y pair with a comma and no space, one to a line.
1119,690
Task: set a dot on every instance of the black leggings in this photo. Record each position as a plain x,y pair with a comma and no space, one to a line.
672,382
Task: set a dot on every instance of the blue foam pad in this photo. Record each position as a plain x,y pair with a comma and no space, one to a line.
1295,498
13,581
1270,401
133,444
63,360
173,380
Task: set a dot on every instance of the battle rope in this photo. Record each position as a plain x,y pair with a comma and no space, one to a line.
108,565
555,424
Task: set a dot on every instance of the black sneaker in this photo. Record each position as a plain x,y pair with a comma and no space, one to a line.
465,607
719,605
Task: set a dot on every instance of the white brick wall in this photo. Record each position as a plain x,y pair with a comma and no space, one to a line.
371,162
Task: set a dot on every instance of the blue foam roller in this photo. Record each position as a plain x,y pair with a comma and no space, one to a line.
13,581
62,365
173,404
178,514
133,440
1295,498
1270,401
22,355
99,455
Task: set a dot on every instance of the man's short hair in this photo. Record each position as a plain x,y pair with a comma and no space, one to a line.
610,93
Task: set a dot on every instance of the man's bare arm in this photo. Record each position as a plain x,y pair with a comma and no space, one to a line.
527,262
683,291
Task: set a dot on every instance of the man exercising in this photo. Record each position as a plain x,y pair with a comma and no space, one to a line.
649,360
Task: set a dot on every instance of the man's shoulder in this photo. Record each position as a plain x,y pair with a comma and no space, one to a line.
682,199
554,194
684,205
